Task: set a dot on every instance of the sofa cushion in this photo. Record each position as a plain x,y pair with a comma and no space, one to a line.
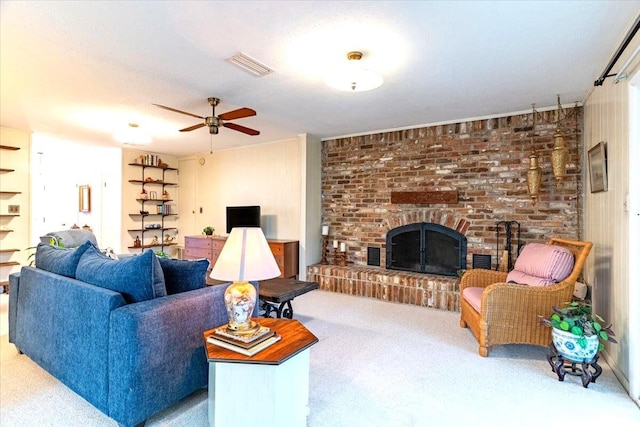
473,297
184,275
70,238
62,261
137,278
541,265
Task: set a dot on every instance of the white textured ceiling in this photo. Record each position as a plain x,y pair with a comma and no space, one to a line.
83,70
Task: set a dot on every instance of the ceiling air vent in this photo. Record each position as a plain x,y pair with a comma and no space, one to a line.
249,64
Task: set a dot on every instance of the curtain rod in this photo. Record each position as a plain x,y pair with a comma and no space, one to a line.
616,56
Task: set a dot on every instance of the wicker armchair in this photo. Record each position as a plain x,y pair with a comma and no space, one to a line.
509,312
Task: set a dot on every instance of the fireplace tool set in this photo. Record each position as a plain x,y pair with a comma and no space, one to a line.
508,258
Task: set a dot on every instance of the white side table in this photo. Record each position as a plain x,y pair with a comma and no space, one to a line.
269,389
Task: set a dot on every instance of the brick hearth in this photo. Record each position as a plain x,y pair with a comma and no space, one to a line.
424,290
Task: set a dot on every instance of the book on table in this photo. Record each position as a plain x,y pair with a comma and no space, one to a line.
240,343
239,347
223,331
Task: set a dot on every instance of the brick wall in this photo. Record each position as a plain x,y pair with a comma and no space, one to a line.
484,160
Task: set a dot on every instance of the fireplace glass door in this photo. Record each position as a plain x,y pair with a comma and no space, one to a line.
426,248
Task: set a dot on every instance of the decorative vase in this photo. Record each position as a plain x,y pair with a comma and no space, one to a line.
567,345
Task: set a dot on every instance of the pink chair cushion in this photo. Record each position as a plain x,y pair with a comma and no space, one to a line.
541,265
473,297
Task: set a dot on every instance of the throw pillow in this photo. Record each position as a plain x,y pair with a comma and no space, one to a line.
137,278
542,265
62,261
184,275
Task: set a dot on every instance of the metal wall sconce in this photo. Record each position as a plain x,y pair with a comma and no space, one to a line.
534,174
534,177
84,198
559,157
559,154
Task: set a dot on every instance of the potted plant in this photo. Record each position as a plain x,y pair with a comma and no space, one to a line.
208,230
577,333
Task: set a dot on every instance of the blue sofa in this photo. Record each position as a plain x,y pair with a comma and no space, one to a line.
126,334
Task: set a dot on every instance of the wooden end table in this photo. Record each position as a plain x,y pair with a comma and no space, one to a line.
270,388
276,295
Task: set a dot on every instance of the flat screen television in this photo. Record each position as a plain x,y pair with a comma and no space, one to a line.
242,216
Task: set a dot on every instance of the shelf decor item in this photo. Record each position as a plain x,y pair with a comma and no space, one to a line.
245,257
208,230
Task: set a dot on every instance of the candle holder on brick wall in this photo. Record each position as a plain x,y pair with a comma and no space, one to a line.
336,256
325,250
342,259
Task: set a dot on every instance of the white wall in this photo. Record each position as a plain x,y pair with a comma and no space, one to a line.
58,167
634,243
608,270
268,175
282,177
311,203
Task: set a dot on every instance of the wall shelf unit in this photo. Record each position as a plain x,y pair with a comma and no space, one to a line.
9,263
153,210
4,283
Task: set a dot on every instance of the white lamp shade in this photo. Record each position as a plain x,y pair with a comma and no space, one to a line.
246,256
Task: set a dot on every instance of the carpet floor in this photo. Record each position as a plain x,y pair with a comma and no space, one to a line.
376,364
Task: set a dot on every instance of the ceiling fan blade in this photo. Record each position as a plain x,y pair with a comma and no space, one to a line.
194,127
237,114
242,129
178,111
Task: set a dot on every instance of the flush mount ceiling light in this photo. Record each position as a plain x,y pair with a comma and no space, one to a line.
132,135
354,78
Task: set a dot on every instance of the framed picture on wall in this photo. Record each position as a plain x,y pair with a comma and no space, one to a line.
598,167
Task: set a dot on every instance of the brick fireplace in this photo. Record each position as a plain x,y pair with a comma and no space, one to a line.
484,161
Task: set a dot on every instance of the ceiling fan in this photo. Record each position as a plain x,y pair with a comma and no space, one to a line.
214,122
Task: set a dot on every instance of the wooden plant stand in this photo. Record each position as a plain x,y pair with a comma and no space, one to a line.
589,371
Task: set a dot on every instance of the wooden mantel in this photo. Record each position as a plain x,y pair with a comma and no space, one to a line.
424,197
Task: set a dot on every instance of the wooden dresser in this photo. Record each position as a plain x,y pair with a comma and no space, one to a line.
284,251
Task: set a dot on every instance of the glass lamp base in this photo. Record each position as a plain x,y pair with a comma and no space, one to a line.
240,299
252,328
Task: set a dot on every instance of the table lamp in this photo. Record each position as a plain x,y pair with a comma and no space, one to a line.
245,256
